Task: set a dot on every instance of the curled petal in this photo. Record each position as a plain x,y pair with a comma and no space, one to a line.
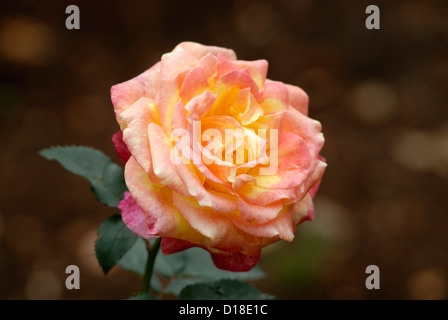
259,213
216,201
264,196
199,106
248,107
224,66
194,84
283,226
179,120
164,168
208,65
258,70
240,180
315,178
241,80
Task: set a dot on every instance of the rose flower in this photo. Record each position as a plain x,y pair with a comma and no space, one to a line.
216,156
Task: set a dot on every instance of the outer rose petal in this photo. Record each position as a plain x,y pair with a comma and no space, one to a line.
264,196
306,128
235,261
258,70
274,97
156,203
198,50
144,85
120,147
231,261
259,213
134,217
318,177
173,245
135,135
283,226
221,234
224,66
298,98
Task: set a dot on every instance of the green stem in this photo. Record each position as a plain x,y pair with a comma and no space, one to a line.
152,253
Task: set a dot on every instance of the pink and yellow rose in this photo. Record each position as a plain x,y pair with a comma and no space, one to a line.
216,155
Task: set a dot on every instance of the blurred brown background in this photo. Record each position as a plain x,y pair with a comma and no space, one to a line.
380,95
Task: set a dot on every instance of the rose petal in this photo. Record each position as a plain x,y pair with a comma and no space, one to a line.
264,196
194,84
248,108
259,213
144,85
231,261
198,50
208,65
134,217
174,67
235,261
164,168
219,230
293,152
179,120
283,225
121,148
137,117
211,199
241,80
172,245
224,66
258,70
274,97
306,128
199,106
298,98
314,179
157,206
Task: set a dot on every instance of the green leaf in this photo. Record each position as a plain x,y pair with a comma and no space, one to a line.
106,178
135,261
114,240
225,289
194,266
143,296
